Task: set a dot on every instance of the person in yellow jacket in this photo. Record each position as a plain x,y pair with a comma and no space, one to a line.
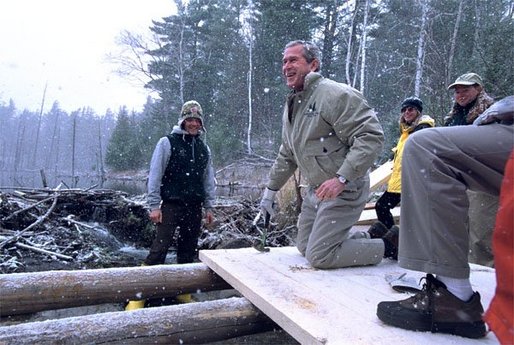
411,120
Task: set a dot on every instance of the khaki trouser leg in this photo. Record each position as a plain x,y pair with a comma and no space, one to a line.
323,231
438,166
482,216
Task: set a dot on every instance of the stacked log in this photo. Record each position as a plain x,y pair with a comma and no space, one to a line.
24,293
192,323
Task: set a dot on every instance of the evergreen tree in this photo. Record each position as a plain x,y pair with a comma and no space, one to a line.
123,152
276,24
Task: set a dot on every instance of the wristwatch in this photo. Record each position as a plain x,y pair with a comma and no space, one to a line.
342,179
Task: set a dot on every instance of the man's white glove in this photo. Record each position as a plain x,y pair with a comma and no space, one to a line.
266,204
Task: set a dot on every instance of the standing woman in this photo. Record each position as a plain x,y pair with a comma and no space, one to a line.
411,120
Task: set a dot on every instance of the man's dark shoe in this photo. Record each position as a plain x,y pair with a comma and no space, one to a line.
391,242
437,310
377,230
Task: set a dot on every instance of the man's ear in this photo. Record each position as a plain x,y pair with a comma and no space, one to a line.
315,65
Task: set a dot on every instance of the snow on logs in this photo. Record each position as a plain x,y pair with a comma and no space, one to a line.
23,293
192,323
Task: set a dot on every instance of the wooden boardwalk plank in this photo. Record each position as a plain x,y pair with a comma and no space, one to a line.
380,175
329,307
369,216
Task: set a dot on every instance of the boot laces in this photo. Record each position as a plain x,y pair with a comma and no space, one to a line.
424,298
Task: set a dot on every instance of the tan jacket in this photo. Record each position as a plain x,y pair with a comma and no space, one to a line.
328,129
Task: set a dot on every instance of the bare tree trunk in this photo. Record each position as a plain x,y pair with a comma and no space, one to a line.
53,144
38,129
421,48
73,184
250,77
100,157
350,42
181,68
331,16
454,42
477,28
356,70
363,46
19,146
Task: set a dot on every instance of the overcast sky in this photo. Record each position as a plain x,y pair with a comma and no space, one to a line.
64,43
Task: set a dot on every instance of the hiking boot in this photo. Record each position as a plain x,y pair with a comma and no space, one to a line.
391,242
437,310
136,304
377,230
184,298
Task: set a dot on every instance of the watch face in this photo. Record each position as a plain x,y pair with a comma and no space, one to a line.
342,179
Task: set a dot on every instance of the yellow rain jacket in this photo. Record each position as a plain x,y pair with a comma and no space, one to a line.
395,181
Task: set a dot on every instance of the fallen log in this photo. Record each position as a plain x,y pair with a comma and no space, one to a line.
23,293
193,323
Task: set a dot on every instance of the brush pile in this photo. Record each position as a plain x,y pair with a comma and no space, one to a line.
47,229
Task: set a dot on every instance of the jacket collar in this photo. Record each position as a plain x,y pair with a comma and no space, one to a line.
311,79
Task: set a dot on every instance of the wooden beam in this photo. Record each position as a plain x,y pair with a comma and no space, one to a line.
380,175
369,216
192,323
23,293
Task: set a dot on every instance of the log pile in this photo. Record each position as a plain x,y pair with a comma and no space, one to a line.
48,229
192,323
71,228
234,228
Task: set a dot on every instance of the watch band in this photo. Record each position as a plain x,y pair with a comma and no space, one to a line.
342,179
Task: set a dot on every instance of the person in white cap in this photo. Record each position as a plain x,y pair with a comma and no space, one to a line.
471,100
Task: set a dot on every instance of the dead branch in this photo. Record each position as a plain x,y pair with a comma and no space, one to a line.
14,214
37,222
39,250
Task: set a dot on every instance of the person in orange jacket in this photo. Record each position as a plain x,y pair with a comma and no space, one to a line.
500,315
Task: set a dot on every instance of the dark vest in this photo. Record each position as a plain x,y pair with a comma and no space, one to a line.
184,176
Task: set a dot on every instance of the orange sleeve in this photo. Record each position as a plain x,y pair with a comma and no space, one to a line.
499,316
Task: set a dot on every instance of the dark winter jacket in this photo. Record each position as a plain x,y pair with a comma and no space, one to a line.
460,116
186,169
200,178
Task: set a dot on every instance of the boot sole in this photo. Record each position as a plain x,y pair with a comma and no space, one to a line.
416,322
473,330
423,323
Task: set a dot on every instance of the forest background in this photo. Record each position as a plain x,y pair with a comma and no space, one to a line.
227,54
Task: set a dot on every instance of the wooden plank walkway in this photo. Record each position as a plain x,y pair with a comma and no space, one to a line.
330,307
369,216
